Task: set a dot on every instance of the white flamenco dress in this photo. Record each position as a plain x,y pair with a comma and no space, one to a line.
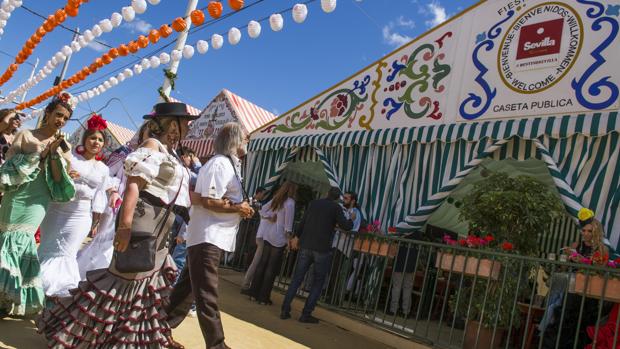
98,253
66,226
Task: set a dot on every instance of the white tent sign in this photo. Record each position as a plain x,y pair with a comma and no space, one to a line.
207,126
496,60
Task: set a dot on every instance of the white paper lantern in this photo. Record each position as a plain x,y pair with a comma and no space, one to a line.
82,41
328,5
116,19
97,31
91,94
75,46
188,51
67,51
202,46
113,81
139,6
145,64
1,31
164,58
54,61
50,65
97,91
120,77
2,23
176,55
128,73
217,41
276,21
154,2
11,8
106,25
234,36
17,3
128,13
6,6
4,15
137,69
60,57
88,35
107,85
300,12
155,62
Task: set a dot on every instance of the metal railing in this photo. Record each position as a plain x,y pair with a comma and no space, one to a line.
455,297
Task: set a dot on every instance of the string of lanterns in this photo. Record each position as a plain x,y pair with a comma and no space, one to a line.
52,21
276,22
104,26
6,8
138,6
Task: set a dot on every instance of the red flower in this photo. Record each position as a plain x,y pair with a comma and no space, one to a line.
392,230
489,238
462,242
507,246
96,122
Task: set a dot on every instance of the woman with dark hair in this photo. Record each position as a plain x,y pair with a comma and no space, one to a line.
10,121
98,253
67,224
122,306
275,241
33,175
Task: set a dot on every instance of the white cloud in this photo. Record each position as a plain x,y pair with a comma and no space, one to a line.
438,13
97,46
392,36
138,26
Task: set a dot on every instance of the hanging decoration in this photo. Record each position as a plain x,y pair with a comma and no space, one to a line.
106,25
202,46
300,12
235,4
215,9
328,5
8,6
48,26
198,17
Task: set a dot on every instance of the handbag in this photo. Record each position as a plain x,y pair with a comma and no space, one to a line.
141,252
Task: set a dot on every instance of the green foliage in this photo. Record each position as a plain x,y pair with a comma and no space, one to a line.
515,209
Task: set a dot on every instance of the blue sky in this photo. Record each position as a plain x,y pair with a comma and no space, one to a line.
276,71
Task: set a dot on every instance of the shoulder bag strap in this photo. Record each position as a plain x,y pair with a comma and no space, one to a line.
246,197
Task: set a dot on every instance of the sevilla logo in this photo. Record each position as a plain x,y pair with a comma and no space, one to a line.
540,39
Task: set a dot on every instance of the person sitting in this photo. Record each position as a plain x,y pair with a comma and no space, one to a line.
592,245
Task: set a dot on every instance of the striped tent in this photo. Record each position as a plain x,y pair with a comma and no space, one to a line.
403,175
236,108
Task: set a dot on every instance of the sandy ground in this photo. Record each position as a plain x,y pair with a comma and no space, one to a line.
247,325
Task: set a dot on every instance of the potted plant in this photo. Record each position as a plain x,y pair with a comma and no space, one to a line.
598,283
513,211
373,241
472,264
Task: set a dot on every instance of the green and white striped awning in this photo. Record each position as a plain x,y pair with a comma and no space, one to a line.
596,124
403,175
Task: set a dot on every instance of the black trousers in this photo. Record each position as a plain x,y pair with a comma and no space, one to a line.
266,272
199,278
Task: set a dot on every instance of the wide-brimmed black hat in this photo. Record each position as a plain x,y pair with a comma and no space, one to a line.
167,109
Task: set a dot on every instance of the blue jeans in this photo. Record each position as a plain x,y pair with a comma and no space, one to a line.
322,262
180,256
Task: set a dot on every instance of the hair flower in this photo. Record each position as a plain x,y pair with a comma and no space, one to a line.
96,122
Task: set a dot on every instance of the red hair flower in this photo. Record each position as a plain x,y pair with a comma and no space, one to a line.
507,246
96,122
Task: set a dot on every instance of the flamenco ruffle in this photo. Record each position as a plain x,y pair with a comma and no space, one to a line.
64,190
606,337
20,169
107,311
19,274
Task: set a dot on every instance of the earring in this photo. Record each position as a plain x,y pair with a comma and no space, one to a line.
80,149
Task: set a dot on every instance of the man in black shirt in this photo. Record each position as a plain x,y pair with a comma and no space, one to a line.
314,236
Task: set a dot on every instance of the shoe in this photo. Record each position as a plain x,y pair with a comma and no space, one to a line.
285,316
308,319
245,291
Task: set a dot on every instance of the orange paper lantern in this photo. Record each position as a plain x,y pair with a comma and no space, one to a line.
60,16
235,4
142,41
113,52
41,32
215,9
13,68
20,58
30,44
99,62
106,59
133,47
71,11
165,31
64,84
92,68
123,50
154,36
74,3
35,39
179,24
198,17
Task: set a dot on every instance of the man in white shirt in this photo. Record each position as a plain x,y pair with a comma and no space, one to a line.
219,204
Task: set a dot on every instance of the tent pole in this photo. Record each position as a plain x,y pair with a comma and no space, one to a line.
182,38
